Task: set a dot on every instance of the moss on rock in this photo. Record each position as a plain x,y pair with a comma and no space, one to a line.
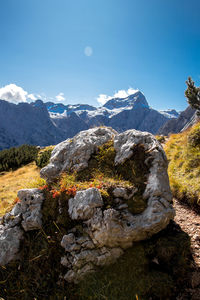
134,171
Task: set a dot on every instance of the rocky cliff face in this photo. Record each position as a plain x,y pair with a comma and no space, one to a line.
106,192
187,118
45,124
25,124
121,114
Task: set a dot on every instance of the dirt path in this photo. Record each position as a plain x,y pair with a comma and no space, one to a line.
189,221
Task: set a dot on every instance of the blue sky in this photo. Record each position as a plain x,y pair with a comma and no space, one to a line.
152,45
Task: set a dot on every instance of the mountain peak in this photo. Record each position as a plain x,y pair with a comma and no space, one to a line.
132,100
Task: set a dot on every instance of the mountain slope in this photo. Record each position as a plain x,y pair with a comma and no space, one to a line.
119,113
48,123
24,123
182,122
183,153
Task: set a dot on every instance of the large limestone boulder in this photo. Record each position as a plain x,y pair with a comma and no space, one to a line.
97,224
117,226
74,154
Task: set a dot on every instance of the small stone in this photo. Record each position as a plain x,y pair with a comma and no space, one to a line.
82,239
88,245
122,206
73,247
118,200
88,268
67,240
70,276
121,192
196,237
65,262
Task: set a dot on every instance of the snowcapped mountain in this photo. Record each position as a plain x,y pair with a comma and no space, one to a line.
48,123
119,113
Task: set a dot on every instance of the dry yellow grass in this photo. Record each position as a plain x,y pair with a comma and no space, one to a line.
184,166
11,182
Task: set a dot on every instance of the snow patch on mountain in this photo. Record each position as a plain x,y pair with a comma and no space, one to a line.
170,113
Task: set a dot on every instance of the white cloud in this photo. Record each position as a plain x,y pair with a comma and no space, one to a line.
132,91
32,97
121,94
60,97
102,98
16,94
13,93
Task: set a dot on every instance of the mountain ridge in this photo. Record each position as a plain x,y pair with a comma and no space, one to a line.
44,124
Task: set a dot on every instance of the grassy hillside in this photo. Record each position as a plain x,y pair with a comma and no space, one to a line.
11,182
19,169
183,152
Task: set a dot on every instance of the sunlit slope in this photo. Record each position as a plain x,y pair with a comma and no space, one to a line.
183,152
11,182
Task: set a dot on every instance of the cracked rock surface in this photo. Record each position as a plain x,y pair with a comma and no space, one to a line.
24,216
74,154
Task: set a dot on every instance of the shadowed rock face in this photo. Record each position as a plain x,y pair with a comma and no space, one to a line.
25,124
186,119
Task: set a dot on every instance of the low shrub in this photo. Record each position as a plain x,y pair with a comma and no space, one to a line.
194,137
13,158
160,138
43,158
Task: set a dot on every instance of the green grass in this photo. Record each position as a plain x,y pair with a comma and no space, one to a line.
133,275
183,153
104,175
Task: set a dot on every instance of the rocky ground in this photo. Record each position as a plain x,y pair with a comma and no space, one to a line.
189,221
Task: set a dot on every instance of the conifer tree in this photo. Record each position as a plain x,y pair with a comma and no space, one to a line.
193,95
